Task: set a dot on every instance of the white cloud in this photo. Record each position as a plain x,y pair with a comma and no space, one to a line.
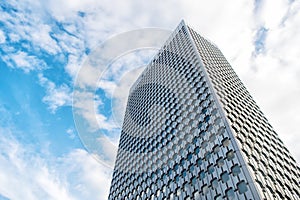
40,36
56,96
32,176
28,173
275,82
86,105
2,37
272,13
86,177
23,61
70,132
32,30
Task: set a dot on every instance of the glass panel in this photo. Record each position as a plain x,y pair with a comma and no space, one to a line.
220,162
202,175
226,142
199,162
230,155
216,149
242,187
189,156
214,183
230,193
235,170
207,155
218,197
210,169
194,181
197,150
225,177
205,189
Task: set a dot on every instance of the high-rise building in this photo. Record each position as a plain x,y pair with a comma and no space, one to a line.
192,131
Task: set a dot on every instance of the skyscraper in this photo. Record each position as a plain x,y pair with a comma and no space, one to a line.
192,131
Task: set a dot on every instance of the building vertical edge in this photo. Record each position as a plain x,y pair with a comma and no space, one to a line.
249,177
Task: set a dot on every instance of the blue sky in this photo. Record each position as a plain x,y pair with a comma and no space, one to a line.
44,44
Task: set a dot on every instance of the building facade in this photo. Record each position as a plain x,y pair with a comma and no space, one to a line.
192,131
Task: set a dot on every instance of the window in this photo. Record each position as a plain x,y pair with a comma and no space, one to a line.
230,155
182,162
214,183
197,150
196,195
217,120
202,134
176,166
189,156
229,193
194,181
212,138
196,139
207,118
221,131
177,178
235,170
226,142
216,149
200,125
225,176
204,144
214,111
205,189
207,155
202,174
204,111
210,169
218,197
242,187
178,192
199,162
220,162
158,193
170,172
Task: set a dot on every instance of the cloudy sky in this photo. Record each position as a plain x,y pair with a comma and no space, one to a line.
44,45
